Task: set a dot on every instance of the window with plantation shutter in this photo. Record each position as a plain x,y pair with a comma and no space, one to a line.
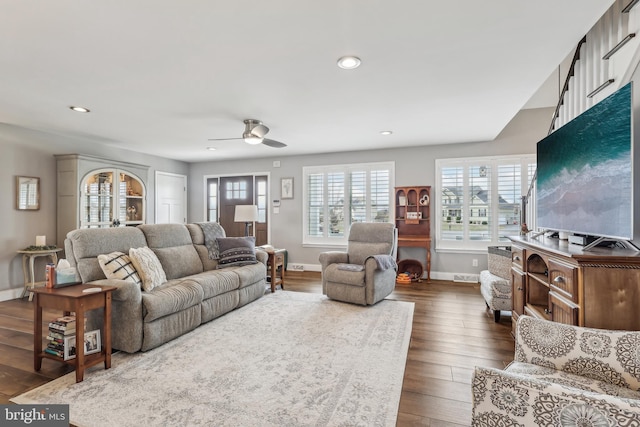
339,195
479,200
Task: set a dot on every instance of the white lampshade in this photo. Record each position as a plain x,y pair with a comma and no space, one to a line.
246,213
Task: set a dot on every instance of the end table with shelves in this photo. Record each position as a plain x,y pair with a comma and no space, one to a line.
78,299
276,267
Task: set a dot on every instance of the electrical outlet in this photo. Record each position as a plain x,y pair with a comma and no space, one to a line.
474,262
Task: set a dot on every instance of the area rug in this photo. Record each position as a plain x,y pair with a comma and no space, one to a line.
287,359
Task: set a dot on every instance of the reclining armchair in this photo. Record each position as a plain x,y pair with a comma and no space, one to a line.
366,273
562,375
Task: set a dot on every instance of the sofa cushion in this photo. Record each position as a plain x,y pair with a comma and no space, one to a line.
236,251
250,274
148,267
172,297
216,282
173,245
118,265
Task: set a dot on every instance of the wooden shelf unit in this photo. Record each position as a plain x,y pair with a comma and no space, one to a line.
413,219
558,281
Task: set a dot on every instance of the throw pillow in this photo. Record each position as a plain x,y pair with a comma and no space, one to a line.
118,265
148,266
236,251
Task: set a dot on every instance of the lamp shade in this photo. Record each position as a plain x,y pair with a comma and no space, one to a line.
246,213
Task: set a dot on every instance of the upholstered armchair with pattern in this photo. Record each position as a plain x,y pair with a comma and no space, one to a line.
366,273
562,375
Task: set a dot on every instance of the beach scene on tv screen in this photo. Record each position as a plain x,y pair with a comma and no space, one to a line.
584,178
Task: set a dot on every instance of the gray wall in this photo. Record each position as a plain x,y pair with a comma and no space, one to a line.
29,153
414,166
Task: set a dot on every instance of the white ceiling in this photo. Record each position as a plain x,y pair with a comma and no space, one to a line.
163,76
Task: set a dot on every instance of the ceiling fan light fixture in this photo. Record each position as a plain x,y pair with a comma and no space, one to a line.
252,139
349,62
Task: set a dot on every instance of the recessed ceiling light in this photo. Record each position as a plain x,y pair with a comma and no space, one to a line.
79,109
349,62
211,148
386,132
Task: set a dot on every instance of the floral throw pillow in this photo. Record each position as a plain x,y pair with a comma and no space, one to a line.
148,266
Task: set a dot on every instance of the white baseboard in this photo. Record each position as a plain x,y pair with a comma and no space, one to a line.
10,294
435,275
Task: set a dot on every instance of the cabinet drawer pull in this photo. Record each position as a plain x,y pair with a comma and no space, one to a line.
547,311
516,258
558,279
518,289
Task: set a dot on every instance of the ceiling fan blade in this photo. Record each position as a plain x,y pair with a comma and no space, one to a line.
274,144
222,139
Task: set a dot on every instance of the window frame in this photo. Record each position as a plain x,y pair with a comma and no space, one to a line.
341,241
466,244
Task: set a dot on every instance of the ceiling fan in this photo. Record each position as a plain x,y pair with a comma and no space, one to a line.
253,134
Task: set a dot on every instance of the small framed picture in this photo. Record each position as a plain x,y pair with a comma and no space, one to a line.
92,344
286,188
70,347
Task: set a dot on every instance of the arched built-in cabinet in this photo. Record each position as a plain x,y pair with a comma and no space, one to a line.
111,198
96,192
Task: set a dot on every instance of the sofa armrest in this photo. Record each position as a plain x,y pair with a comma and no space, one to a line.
505,398
262,256
333,257
126,315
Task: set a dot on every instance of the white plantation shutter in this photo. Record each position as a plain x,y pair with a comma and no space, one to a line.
479,201
339,195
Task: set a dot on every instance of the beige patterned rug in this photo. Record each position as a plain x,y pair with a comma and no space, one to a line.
288,359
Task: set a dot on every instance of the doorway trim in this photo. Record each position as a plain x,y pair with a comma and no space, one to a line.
205,178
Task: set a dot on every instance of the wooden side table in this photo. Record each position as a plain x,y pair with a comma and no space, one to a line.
29,275
275,263
73,299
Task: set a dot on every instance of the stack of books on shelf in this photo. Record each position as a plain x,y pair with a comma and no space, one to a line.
60,330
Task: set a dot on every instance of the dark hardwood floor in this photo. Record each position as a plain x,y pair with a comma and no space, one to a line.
452,333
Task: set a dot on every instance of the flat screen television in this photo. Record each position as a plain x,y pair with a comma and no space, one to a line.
585,172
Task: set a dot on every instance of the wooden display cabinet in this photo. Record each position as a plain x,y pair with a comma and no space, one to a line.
558,281
413,219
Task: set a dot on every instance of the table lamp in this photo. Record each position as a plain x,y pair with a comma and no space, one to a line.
247,214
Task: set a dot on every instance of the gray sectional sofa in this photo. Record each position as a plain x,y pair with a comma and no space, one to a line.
196,291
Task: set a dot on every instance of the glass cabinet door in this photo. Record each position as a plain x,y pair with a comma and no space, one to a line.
130,200
111,198
97,200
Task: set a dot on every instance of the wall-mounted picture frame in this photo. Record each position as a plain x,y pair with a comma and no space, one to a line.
286,188
27,193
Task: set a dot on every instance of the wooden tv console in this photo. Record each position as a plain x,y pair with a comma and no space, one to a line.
558,281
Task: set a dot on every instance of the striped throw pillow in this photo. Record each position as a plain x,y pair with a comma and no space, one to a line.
117,265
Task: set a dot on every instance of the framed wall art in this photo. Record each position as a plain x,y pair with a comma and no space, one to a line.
286,188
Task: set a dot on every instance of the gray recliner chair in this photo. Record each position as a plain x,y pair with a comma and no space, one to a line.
366,273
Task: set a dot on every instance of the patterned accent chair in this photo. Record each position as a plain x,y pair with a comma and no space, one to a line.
562,375
366,273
